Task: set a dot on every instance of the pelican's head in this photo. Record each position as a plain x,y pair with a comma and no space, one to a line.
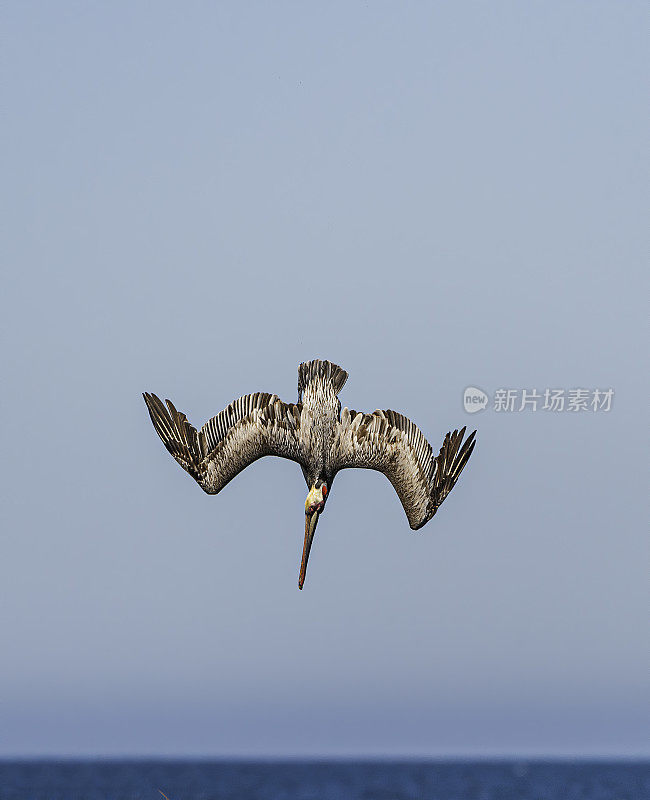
314,505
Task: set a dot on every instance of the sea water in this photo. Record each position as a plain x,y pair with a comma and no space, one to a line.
324,780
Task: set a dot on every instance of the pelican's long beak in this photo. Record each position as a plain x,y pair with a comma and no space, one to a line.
311,520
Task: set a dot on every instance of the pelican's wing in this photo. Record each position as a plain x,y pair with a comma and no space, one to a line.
392,444
256,425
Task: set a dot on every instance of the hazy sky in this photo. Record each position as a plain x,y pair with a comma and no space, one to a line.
198,196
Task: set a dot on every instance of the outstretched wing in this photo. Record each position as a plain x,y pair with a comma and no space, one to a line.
390,443
253,426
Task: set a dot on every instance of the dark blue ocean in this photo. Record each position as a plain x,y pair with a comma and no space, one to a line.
324,780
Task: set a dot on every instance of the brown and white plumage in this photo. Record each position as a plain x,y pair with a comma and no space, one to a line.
390,443
253,426
322,439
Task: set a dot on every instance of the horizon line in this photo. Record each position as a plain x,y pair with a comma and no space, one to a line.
527,755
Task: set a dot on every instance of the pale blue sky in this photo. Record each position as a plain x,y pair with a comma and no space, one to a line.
198,196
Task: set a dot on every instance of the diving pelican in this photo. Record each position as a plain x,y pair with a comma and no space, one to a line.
320,437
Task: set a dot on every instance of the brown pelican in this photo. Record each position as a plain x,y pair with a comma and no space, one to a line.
320,437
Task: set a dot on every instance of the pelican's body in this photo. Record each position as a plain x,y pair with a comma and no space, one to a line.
320,437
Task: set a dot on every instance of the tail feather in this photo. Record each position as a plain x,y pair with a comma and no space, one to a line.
320,370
